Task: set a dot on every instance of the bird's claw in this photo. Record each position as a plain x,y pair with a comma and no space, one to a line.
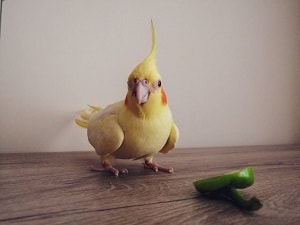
155,167
124,171
109,169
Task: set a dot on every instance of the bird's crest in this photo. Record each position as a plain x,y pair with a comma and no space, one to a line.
148,65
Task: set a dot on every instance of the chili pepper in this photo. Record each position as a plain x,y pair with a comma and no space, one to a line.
224,186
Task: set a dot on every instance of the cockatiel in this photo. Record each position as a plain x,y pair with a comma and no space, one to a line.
137,127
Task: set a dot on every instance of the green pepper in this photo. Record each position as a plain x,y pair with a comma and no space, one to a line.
237,179
224,186
252,204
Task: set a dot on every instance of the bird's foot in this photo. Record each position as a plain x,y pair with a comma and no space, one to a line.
156,167
109,169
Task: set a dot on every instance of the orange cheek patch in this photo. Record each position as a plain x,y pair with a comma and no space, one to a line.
163,97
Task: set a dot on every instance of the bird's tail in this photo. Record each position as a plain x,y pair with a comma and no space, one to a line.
85,116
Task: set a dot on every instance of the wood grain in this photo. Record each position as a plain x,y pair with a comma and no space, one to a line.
57,188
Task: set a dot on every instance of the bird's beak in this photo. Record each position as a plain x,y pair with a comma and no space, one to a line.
141,93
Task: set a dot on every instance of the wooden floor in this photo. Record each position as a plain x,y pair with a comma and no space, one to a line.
57,188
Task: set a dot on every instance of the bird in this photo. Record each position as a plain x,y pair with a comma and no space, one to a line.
137,127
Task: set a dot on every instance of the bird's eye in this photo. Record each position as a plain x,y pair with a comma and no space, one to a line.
145,82
159,83
135,80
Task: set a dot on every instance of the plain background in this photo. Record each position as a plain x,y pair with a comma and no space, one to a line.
231,69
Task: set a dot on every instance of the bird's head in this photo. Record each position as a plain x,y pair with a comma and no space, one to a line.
145,91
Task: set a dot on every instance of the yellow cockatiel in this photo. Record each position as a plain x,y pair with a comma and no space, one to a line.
137,127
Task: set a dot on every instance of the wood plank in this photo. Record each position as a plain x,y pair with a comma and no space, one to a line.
57,188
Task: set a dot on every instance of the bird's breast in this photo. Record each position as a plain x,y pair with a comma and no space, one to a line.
143,136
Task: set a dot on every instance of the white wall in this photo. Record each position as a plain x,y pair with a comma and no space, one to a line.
230,68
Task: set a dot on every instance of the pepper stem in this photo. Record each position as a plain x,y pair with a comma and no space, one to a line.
236,197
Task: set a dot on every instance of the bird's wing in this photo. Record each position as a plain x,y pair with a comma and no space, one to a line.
85,116
104,131
170,144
